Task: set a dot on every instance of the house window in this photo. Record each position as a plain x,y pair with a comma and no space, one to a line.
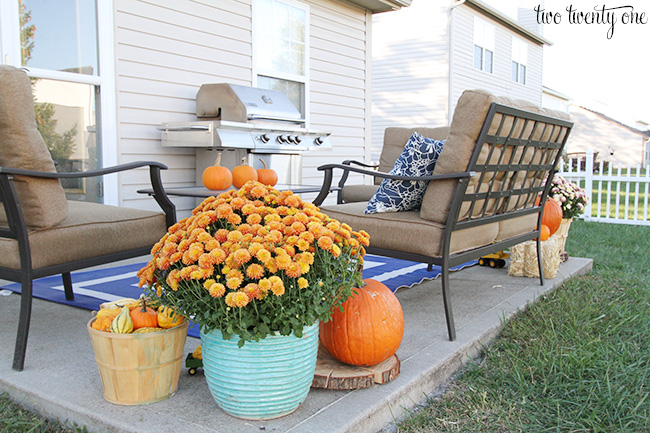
58,43
483,46
281,48
519,61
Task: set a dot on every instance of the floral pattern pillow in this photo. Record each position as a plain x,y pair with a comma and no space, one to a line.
418,158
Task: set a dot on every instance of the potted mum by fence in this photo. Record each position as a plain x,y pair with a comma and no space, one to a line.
257,269
572,199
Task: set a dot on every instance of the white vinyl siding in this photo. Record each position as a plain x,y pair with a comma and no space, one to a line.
410,77
465,76
165,50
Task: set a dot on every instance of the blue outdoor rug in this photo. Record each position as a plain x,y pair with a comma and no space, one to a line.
91,288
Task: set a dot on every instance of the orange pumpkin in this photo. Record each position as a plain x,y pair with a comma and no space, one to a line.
369,330
144,316
266,175
552,215
544,232
243,173
216,176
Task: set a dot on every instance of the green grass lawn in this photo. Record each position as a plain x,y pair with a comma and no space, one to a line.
577,361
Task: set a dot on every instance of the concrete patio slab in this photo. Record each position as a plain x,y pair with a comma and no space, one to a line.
61,379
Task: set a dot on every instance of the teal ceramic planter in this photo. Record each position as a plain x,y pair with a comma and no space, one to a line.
266,379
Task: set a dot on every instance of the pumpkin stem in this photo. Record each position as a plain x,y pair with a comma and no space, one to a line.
217,161
263,163
143,302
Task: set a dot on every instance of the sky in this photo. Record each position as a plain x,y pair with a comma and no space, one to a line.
602,70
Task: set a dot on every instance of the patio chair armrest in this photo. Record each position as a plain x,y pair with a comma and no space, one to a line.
346,172
81,174
154,174
329,168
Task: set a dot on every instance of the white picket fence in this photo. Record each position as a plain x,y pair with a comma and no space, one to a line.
618,194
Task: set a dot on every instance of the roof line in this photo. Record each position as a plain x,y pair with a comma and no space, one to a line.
507,21
611,119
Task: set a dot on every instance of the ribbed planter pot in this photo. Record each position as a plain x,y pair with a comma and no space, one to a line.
266,379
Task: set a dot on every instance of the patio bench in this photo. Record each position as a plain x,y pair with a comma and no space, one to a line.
481,197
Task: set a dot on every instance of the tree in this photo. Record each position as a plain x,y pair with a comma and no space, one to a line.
60,145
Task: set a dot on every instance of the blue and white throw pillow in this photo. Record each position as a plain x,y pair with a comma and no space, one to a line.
417,159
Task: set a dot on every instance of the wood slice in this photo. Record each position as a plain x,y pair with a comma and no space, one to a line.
333,374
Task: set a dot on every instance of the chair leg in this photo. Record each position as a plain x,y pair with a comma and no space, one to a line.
446,299
429,267
23,323
67,286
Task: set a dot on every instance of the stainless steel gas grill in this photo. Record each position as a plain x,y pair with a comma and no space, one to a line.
246,122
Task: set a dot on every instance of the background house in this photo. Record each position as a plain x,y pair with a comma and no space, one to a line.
144,62
611,140
424,57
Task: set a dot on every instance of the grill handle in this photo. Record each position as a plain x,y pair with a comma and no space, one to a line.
185,128
279,118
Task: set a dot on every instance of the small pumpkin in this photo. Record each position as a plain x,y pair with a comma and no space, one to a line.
243,173
370,328
217,177
122,323
168,317
544,232
552,215
266,175
144,317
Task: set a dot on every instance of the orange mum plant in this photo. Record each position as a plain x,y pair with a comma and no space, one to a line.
255,261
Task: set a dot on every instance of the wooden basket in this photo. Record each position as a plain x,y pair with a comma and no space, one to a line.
139,368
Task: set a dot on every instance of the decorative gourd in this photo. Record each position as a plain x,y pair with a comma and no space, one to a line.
110,313
117,304
122,323
146,329
552,216
369,330
217,177
168,318
102,323
243,173
266,175
144,317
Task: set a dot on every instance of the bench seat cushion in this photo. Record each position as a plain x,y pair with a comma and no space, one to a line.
407,232
94,229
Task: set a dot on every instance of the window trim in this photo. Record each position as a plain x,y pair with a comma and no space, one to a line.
484,38
105,80
519,57
269,72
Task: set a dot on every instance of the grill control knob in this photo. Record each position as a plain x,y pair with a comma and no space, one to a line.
282,139
297,139
318,141
294,139
264,138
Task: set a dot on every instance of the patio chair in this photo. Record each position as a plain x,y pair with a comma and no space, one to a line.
481,196
41,232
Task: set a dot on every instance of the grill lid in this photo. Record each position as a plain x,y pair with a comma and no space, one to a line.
230,102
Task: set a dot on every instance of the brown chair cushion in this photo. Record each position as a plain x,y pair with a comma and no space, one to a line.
395,138
90,230
466,125
354,193
42,201
407,232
